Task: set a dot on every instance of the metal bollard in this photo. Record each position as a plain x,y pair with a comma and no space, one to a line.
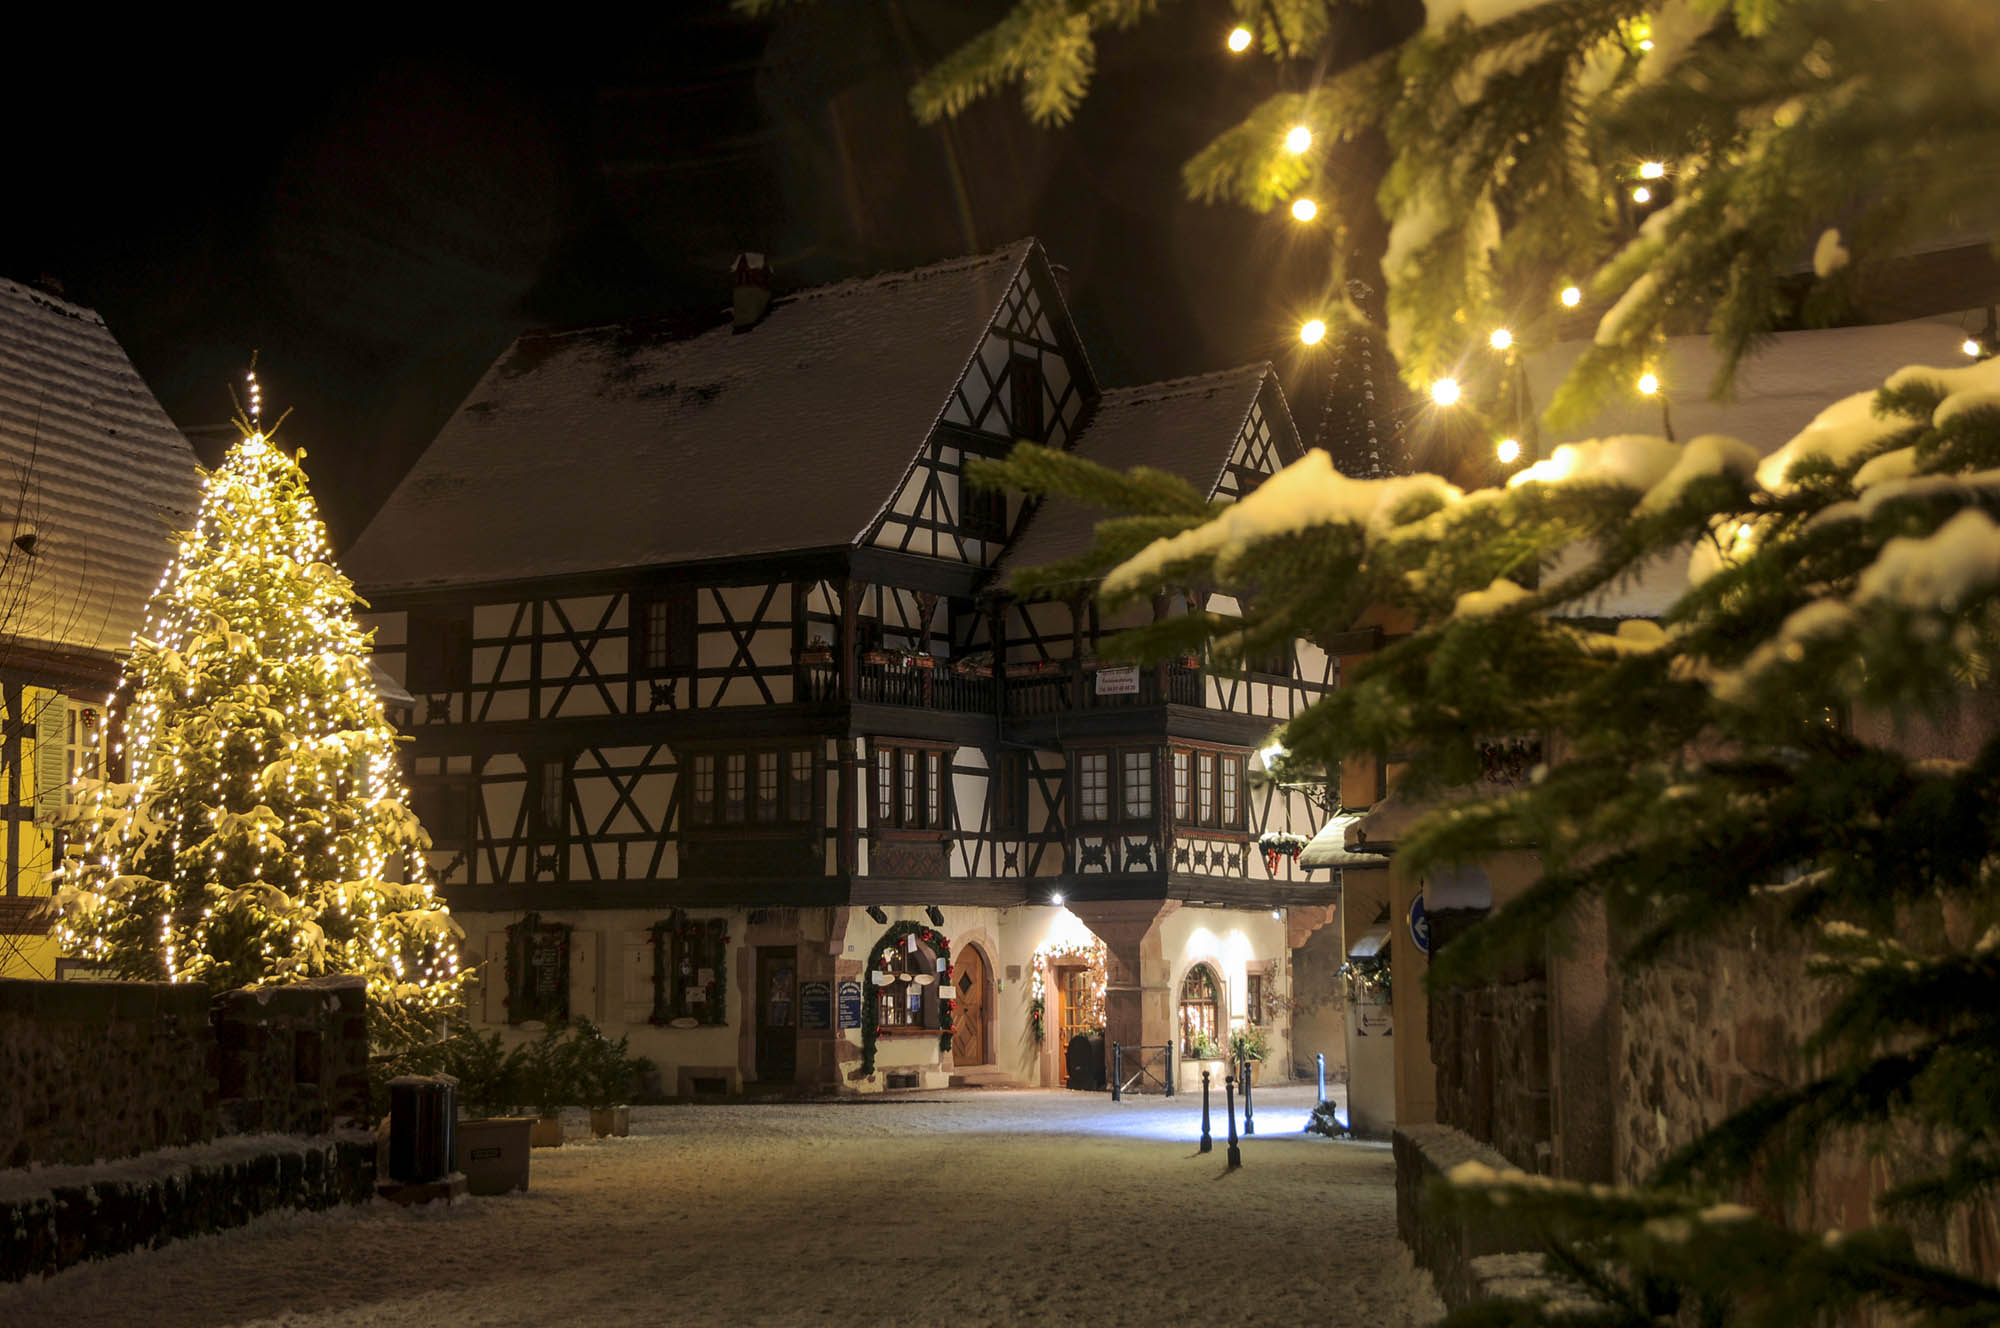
1117,1071
1170,1069
1207,1143
1249,1120
1235,1153
1319,1059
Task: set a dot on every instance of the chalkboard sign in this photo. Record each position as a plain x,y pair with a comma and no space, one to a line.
815,1005
850,1003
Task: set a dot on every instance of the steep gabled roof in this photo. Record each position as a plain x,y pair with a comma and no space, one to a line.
624,447
93,470
1184,426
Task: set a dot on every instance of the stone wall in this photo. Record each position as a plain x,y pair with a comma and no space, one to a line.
1707,1029
103,1069
1490,1047
94,1070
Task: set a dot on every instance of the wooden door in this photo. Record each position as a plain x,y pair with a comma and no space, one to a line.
969,1045
1071,990
777,1013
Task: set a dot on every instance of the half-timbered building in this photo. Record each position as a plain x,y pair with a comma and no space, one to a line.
729,736
94,481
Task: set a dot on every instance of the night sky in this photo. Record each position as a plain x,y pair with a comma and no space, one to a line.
379,210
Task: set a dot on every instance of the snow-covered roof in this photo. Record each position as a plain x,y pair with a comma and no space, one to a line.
1328,846
1779,390
1185,426
625,446
97,479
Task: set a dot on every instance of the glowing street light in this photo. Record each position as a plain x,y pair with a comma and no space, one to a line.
1239,40
1445,391
1501,339
1649,383
1509,451
1642,195
1304,209
1652,170
1298,140
1571,297
1312,331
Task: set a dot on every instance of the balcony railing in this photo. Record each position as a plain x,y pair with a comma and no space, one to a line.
1053,689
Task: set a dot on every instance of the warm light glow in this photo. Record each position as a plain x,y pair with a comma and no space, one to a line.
1445,391
1272,754
1642,195
1056,899
1305,209
1299,139
1972,347
1509,451
1313,330
1649,383
1501,339
1743,531
1646,43
1652,170
1239,40
1571,297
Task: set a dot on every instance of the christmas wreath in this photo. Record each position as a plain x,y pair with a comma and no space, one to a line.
684,946
878,962
522,1001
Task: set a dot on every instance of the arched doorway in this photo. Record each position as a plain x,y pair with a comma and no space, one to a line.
972,1037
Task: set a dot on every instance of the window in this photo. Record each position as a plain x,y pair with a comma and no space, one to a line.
701,801
1216,798
909,998
1253,999
444,806
799,786
663,631
440,652
1232,792
1183,785
735,786
1024,396
910,788
1093,786
769,787
1204,787
688,958
550,791
982,511
1138,784
1201,1013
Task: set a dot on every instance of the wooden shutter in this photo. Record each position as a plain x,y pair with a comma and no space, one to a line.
583,983
50,713
493,979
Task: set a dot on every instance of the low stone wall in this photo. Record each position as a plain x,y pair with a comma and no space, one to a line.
103,1069
294,1059
1461,1257
55,1217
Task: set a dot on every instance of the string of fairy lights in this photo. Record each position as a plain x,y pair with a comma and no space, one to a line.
264,832
1650,181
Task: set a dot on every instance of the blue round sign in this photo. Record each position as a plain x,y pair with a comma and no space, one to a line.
1420,925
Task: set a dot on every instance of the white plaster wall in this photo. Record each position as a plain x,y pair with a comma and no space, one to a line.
962,926
1231,940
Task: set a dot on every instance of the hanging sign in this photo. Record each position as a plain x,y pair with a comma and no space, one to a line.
1118,680
815,1005
850,1003
1420,925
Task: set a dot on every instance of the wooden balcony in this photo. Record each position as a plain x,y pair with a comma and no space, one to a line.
1058,688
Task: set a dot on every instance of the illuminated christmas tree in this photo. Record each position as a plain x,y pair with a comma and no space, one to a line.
262,835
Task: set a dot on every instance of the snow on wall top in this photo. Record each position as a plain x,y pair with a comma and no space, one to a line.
620,447
1185,426
93,469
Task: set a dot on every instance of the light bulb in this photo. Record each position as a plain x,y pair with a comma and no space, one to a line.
1298,140
1972,347
1571,297
1312,331
1652,170
1509,451
1445,391
1642,195
1649,383
1501,339
1239,40
1305,209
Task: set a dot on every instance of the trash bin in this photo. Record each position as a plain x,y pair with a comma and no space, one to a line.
1084,1058
422,1113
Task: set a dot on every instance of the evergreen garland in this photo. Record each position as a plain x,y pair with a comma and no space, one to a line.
878,961
520,1001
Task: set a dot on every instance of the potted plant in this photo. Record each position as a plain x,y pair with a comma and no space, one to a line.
491,1145
1202,1047
548,1078
818,651
1249,1043
606,1072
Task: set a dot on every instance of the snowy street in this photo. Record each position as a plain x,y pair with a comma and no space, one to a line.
973,1207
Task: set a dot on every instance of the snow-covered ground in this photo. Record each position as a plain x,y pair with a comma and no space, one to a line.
969,1207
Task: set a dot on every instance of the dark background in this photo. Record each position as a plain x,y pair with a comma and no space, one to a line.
378,206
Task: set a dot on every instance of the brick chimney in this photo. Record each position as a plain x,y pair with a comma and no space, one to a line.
753,290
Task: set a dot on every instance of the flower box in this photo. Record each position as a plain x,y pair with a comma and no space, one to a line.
547,1132
606,1122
